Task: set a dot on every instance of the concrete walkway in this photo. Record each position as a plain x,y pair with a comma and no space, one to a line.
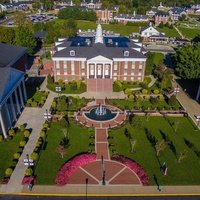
34,117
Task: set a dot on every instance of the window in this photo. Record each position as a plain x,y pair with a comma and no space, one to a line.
139,78
92,69
83,74
140,70
139,74
132,78
82,65
115,66
72,67
115,78
126,53
99,69
125,78
125,65
132,73
57,65
133,65
107,66
140,66
72,52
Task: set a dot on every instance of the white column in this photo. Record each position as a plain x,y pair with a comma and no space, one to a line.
103,70
13,108
2,126
8,115
111,70
198,94
88,72
17,101
24,90
95,70
21,97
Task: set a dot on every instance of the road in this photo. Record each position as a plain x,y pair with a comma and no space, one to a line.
99,198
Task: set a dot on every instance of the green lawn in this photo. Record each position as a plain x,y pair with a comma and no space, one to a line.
7,150
116,28
50,161
189,32
184,173
168,31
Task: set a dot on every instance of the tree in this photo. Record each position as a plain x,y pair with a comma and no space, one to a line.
182,156
61,150
7,35
187,61
22,20
133,143
25,38
160,147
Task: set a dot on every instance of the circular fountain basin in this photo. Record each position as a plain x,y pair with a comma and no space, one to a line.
104,117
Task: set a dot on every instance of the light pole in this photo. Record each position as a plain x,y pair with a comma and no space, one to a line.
198,120
47,115
176,90
27,156
58,90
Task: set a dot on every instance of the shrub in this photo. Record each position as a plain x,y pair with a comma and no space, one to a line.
153,100
26,133
117,86
50,79
16,156
147,97
34,156
156,91
34,104
8,171
45,125
128,91
22,143
131,97
144,91
28,172
42,135
22,128
11,132
29,102
172,100
161,98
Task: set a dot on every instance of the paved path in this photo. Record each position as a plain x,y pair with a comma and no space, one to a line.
34,117
182,36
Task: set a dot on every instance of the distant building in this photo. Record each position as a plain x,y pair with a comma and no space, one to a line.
92,4
104,15
161,18
98,60
13,62
176,13
124,18
151,13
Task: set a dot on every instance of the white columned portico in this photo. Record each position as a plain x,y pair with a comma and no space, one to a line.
21,97
2,125
8,115
95,70
103,71
17,102
24,90
13,108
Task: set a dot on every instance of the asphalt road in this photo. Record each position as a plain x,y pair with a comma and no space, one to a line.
99,198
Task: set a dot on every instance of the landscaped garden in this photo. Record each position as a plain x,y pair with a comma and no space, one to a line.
73,87
151,141
52,157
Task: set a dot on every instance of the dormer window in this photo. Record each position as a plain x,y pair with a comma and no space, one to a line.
72,53
126,53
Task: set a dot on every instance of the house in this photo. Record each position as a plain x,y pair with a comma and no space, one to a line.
92,4
161,18
176,13
13,62
98,60
150,34
151,13
124,18
104,15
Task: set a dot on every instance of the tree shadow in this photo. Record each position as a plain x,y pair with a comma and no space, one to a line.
192,147
157,183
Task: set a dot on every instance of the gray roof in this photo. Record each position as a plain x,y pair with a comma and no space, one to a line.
99,49
10,53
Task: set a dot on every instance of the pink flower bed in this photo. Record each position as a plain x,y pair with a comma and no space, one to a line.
28,180
134,167
71,166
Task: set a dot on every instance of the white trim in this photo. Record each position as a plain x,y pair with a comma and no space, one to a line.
129,59
2,125
68,59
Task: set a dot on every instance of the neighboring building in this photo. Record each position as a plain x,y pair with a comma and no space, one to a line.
176,13
124,18
92,4
12,88
98,60
161,18
151,35
151,13
104,15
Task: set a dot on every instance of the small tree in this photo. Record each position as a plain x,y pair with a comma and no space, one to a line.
11,132
16,156
172,100
160,147
61,150
26,133
182,156
8,172
133,143
28,172
22,127
22,143
34,156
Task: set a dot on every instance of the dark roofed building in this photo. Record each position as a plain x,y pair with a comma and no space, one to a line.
99,60
12,87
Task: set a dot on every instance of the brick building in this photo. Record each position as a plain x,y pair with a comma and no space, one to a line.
98,60
161,17
104,15
13,62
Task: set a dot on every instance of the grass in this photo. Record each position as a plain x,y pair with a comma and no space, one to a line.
184,173
170,32
116,28
189,32
50,161
7,150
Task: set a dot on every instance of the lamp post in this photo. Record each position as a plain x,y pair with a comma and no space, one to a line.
176,90
58,90
27,156
198,120
47,115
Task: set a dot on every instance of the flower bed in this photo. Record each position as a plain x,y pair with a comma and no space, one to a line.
71,166
28,180
133,166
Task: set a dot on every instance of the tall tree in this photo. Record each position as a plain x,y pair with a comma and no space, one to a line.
7,35
187,60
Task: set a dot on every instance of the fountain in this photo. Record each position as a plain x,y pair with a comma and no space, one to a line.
100,110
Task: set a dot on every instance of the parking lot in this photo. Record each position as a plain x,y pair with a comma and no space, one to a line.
41,17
